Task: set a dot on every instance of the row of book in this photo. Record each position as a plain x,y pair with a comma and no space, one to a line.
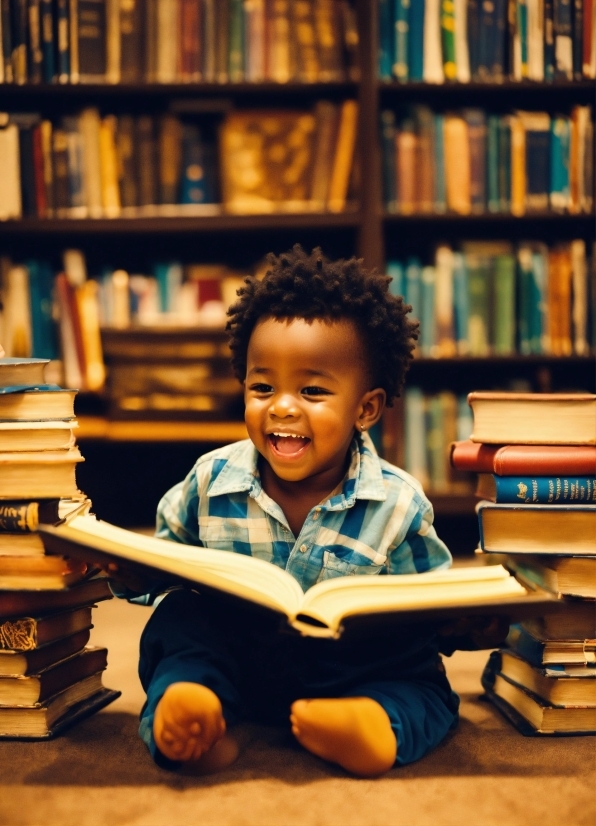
49,676
473,161
492,298
178,41
432,422
535,456
467,41
93,166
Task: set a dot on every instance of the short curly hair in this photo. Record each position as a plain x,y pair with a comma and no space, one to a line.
299,285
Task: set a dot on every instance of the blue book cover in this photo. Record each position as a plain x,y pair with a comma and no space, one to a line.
413,286
563,37
427,313
388,132
44,344
439,158
395,271
192,178
538,127
473,36
416,458
487,40
168,276
460,302
385,39
48,62
416,41
545,490
559,163
492,163
401,12
499,47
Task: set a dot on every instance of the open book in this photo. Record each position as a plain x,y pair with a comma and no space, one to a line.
325,610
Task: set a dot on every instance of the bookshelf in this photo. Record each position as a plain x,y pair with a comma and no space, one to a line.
365,228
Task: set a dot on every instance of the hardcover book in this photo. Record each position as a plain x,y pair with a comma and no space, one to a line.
328,609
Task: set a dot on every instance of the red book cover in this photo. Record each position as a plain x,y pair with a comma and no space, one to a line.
512,460
189,40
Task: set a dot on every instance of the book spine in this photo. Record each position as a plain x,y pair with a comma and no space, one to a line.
209,44
6,24
425,184
563,37
580,297
559,164
589,39
236,42
440,204
48,170
518,166
492,161
18,17
499,66
62,38
504,305
578,36
473,33
535,40
413,294
132,27
108,160
113,42
401,15
476,123
545,490
48,60
537,169
504,169
487,36
43,326
460,303
193,181
522,27
35,55
549,42
344,155
448,39
416,461
388,132
462,63
457,165
146,157
26,155
427,320
17,517
73,40
525,645
41,205
479,306
444,344
395,271
538,303
416,41
433,62
524,257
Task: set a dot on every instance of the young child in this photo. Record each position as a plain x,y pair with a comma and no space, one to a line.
320,347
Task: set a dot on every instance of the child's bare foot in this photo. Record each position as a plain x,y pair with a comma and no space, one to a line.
352,731
189,727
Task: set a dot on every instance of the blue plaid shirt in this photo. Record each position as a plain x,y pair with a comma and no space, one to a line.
377,522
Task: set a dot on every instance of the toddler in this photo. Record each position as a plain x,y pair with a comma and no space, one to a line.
320,347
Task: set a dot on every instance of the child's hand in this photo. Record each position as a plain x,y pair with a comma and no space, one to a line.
129,579
473,633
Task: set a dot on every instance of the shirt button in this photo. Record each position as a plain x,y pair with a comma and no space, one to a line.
303,549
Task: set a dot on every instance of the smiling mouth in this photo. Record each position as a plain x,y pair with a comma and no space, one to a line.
289,446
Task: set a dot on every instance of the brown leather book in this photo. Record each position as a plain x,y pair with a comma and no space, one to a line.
132,28
41,603
406,142
190,41
28,691
457,165
27,632
559,301
510,460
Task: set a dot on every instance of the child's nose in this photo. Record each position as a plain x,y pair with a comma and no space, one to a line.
283,405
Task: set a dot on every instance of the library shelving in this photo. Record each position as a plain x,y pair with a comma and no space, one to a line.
142,449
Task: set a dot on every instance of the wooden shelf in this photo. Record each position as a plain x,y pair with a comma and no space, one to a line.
515,360
12,91
179,224
507,87
101,429
489,218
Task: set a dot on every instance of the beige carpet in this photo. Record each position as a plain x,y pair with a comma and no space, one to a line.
100,773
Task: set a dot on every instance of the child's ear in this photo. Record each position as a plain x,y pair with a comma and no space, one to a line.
371,409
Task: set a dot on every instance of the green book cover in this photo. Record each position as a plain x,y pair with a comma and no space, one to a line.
504,305
478,304
504,165
236,42
448,38
524,303
493,200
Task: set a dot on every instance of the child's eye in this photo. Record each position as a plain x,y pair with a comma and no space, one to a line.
314,391
261,388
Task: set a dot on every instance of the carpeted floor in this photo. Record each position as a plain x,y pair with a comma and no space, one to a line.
99,772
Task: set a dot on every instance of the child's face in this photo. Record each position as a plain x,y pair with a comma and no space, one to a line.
307,387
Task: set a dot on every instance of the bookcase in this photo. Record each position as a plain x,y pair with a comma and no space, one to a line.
130,463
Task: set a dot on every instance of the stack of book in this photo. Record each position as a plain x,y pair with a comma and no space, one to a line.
474,41
493,298
49,677
89,165
178,41
536,458
474,161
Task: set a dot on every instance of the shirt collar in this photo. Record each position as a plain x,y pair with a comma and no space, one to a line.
364,479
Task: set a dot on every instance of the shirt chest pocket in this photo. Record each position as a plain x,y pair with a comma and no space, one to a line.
335,566
251,537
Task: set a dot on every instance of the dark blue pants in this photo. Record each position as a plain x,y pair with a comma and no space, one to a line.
257,672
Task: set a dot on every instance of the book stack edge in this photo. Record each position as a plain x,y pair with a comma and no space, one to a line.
536,456
49,676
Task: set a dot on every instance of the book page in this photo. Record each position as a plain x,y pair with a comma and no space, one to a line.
246,576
